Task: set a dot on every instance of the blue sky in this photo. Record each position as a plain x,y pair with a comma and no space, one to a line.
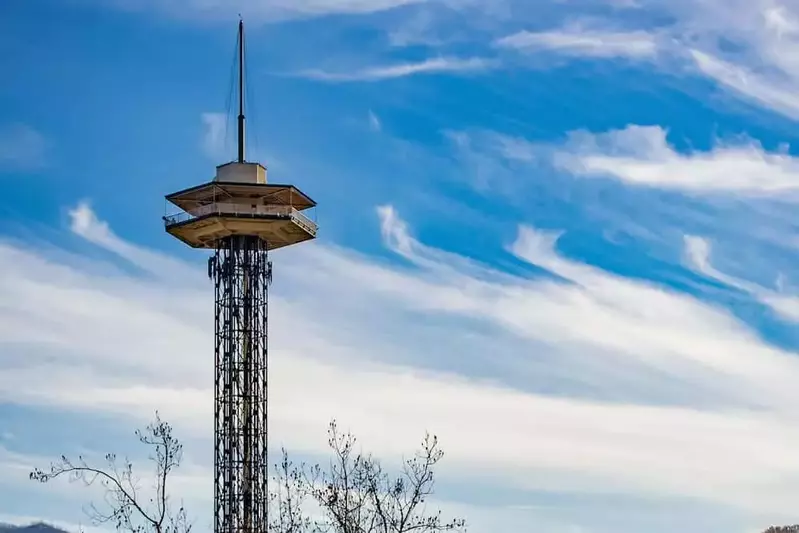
559,234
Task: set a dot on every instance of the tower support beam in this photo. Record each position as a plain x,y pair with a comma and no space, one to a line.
241,272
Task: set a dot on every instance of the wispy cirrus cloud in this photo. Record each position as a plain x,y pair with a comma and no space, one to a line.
84,223
418,29
749,47
218,141
642,155
22,148
785,304
374,121
260,10
577,41
576,381
773,92
215,141
637,365
439,65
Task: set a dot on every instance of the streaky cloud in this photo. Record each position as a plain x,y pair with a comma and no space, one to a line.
642,155
698,256
22,148
439,65
126,345
581,42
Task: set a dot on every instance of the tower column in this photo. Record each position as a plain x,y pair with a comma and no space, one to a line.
241,272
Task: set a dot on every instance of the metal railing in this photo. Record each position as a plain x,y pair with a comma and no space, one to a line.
224,208
303,221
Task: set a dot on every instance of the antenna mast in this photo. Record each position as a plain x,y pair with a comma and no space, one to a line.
241,92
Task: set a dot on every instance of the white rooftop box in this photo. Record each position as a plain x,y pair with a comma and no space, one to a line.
241,173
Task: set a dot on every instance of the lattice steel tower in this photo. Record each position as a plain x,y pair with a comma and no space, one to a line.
241,218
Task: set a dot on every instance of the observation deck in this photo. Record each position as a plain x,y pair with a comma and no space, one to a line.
240,202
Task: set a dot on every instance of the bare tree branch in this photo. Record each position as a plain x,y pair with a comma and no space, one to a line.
122,503
352,495
355,494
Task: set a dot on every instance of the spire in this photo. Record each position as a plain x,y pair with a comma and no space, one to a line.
241,92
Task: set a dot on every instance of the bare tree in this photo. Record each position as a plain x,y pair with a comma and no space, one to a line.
355,495
288,510
123,500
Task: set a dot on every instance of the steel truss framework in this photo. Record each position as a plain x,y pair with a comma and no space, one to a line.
242,273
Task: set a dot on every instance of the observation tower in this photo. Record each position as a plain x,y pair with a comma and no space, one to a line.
240,217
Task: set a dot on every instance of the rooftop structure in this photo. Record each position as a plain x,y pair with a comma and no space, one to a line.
239,201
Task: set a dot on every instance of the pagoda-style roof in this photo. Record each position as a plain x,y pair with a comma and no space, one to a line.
219,191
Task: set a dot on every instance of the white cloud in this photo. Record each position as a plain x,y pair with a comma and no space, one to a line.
750,47
586,43
484,159
763,62
642,155
697,253
21,148
261,10
343,6
346,328
215,141
418,29
428,66
219,138
374,121
779,95
84,223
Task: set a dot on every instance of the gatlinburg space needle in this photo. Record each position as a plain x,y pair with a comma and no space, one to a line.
241,218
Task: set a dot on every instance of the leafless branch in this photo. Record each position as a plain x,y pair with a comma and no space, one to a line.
122,503
355,494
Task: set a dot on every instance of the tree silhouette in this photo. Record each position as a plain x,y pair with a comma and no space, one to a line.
356,495
353,495
123,505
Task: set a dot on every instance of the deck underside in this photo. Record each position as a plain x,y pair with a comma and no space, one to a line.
206,231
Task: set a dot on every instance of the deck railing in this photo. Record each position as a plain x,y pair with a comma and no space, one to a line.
224,208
